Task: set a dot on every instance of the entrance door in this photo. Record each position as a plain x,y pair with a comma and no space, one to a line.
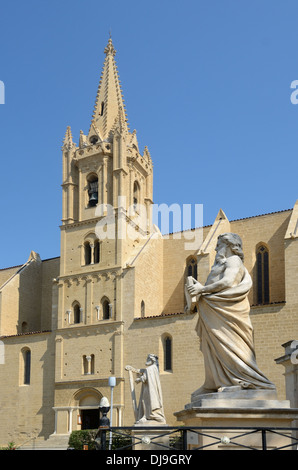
90,419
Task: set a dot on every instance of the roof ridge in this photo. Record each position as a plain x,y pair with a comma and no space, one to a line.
234,220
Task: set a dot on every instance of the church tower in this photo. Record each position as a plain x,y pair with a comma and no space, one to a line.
106,218
107,190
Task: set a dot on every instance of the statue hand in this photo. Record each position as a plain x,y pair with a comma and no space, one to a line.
195,289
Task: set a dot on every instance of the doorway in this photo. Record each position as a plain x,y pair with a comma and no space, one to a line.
90,419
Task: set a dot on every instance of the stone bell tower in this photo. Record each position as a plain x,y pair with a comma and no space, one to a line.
107,197
106,185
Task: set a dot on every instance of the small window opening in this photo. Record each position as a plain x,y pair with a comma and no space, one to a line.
102,108
96,252
87,249
192,268
88,364
262,275
27,366
106,310
93,191
77,314
93,139
167,353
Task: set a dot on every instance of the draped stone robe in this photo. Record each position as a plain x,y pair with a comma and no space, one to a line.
226,335
151,402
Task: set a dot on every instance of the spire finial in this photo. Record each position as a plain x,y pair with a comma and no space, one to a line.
110,47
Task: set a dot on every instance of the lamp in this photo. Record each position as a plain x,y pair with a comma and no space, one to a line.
104,408
112,384
104,423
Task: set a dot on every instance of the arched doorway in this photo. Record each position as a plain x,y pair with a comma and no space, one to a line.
87,402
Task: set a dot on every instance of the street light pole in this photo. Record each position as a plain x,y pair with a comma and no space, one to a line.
112,384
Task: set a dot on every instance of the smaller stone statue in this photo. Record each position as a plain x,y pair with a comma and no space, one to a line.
150,408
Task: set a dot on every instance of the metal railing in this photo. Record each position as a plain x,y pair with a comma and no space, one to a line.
170,438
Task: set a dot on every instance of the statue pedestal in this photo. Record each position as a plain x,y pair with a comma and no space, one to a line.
146,438
241,409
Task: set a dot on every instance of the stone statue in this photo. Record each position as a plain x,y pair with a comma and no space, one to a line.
224,325
150,408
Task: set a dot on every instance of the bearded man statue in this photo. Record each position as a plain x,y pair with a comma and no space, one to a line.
224,326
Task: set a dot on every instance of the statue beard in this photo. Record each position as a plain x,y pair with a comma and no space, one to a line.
219,259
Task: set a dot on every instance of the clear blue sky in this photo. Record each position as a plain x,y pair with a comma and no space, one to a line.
206,85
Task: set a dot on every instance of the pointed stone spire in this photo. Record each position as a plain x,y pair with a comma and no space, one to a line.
109,105
68,143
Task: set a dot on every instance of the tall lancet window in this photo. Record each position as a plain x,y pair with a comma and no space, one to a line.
191,267
87,252
25,369
262,275
167,353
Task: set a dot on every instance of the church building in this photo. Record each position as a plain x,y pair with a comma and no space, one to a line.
116,292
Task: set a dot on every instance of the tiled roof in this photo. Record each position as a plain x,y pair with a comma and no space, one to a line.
161,315
26,334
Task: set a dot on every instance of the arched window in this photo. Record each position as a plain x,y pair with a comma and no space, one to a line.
90,250
87,252
106,309
25,328
88,364
26,366
92,181
262,256
136,195
142,309
191,267
167,345
76,313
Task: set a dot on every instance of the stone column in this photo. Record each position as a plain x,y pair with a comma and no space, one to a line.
97,312
81,315
88,358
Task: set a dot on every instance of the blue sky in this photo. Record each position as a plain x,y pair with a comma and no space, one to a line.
206,85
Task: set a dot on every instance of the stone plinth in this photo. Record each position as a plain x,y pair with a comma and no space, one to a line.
290,363
148,438
241,409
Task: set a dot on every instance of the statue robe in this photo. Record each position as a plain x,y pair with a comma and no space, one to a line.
151,402
226,335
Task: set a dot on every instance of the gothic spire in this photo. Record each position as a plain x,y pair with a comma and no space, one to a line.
109,106
68,142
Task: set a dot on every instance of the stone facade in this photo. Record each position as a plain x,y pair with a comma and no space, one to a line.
67,324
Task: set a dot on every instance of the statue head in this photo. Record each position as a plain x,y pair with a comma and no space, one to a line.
234,242
152,359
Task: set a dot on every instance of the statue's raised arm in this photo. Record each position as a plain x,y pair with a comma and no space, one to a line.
150,408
